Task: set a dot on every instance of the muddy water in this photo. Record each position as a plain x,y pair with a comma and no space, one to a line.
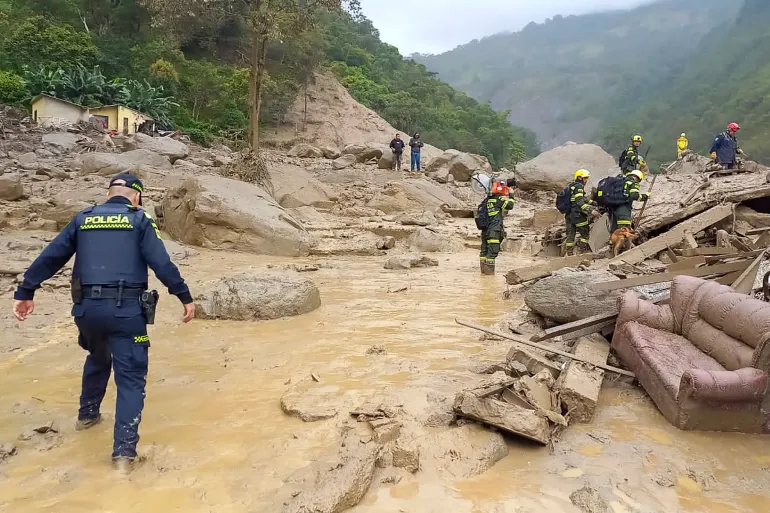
214,437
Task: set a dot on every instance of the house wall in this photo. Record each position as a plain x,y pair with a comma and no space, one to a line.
53,112
111,113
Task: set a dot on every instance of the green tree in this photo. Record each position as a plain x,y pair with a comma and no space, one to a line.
12,88
39,42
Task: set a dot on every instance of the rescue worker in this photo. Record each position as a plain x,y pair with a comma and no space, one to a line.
397,147
682,144
113,243
725,148
578,217
630,158
499,201
622,215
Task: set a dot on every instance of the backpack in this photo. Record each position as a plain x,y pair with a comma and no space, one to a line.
622,158
563,203
482,216
609,192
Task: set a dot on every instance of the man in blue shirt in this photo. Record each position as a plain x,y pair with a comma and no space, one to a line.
113,244
725,148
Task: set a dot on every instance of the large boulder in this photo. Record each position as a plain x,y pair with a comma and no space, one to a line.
460,165
293,187
387,160
344,161
68,203
330,152
257,295
412,195
555,169
109,164
566,297
305,151
63,141
430,241
220,213
166,146
366,152
10,187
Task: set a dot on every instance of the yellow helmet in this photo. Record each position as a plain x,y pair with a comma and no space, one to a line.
637,138
582,173
638,174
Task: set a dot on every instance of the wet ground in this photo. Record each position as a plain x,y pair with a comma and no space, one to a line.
214,438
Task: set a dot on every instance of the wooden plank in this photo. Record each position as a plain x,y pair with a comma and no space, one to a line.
662,277
755,231
763,241
671,254
533,272
745,282
728,279
709,252
675,235
750,255
543,348
686,263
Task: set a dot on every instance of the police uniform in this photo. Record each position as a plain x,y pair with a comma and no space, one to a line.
622,215
493,235
113,244
577,218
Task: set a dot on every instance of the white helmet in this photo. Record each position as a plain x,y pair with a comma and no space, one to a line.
481,184
683,135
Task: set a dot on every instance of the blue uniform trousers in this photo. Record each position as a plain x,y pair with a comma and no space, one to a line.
116,337
415,161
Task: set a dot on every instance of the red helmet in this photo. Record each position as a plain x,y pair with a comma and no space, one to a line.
734,127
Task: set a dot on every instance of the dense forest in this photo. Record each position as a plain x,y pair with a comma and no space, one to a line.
664,68
195,75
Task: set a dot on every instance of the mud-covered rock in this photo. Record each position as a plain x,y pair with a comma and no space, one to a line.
366,152
406,454
566,297
555,169
409,261
109,164
460,165
413,195
416,219
429,241
305,151
344,161
10,187
293,187
64,141
170,148
330,152
463,452
257,295
220,213
308,405
589,500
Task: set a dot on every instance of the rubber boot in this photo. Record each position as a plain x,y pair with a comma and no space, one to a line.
482,266
82,425
490,268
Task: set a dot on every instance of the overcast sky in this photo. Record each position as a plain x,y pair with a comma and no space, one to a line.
435,26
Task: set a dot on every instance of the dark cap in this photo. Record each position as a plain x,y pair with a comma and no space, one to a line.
129,181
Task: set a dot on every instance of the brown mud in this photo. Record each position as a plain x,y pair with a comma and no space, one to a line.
214,437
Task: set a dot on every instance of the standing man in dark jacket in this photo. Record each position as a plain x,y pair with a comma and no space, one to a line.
725,148
397,147
577,218
416,144
113,243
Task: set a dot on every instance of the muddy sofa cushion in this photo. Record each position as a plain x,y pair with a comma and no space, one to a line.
631,308
744,385
732,354
686,294
668,355
738,315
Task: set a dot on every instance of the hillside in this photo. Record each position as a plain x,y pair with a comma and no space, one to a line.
571,76
727,80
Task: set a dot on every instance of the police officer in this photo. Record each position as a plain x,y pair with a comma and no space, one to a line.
114,243
622,215
499,201
577,218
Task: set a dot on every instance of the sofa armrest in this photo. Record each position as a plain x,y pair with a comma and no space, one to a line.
631,308
742,385
761,358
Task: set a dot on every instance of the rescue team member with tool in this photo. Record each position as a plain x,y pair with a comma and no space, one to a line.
573,203
113,243
489,220
725,148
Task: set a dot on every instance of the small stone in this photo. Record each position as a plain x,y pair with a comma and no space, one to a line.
385,430
376,349
406,455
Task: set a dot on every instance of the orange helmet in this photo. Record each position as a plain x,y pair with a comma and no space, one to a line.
499,188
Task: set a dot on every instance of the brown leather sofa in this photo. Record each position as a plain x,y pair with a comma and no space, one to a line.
704,358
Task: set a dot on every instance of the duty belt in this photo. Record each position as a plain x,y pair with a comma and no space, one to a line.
111,292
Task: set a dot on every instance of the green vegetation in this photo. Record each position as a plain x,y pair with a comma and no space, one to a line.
585,78
206,64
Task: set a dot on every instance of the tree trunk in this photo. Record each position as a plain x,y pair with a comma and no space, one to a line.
304,120
259,54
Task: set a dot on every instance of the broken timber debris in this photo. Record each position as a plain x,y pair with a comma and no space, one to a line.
542,347
675,235
580,384
503,415
745,282
533,272
713,270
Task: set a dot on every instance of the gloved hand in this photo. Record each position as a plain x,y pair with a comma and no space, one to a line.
740,151
713,155
596,214
646,196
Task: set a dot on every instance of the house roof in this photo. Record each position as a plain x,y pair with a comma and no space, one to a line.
43,95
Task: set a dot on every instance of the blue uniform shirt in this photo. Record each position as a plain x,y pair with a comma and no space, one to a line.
112,242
